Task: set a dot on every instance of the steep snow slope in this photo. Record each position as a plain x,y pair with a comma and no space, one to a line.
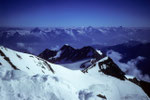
82,59
18,85
37,79
25,62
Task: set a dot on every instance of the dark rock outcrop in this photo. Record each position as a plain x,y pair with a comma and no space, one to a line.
46,54
143,84
111,69
8,60
69,54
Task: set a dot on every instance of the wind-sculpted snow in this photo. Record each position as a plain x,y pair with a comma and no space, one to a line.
17,85
26,62
56,82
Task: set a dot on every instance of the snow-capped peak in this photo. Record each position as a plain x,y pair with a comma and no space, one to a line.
36,79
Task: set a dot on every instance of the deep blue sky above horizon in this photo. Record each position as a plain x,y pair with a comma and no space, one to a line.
66,13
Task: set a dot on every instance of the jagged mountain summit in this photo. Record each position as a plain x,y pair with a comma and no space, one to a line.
86,58
23,75
82,59
68,54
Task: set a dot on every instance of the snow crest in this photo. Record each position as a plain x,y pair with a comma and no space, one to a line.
38,79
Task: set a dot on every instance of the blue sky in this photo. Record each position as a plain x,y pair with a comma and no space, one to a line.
68,13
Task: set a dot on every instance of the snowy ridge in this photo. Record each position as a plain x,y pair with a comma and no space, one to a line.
83,59
58,82
25,62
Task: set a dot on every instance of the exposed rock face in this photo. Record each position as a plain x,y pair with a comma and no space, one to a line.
46,54
143,84
69,54
96,82
8,60
106,65
111,69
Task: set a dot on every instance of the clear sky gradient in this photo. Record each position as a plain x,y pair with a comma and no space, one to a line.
68,13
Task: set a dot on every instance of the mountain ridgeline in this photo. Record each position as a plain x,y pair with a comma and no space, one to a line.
129,51
97,76
89,57
68,54
23,39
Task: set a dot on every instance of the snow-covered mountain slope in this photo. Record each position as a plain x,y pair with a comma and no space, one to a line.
83,59
25,62
27,77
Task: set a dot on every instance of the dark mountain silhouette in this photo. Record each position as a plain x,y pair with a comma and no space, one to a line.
69,54
132,50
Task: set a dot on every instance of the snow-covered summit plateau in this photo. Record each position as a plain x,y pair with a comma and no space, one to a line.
27,77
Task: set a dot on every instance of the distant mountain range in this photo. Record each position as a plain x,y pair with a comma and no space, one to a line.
98,52
34,40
